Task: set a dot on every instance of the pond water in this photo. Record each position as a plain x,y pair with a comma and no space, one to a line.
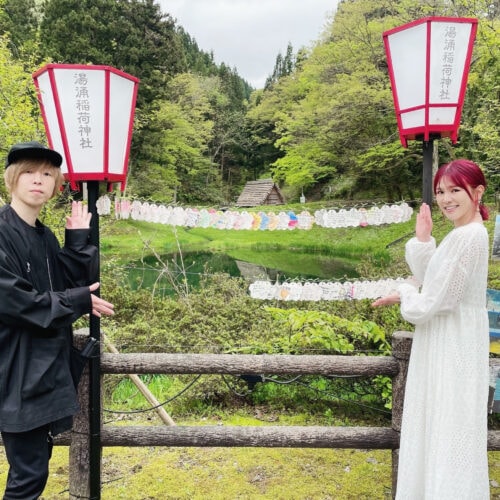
274,266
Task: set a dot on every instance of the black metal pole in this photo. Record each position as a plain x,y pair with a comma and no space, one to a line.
95,449
428,148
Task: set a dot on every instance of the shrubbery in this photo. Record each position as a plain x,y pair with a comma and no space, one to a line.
221,317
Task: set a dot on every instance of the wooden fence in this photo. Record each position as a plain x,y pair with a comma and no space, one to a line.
394,366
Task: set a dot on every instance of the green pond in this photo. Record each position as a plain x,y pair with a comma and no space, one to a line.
283,265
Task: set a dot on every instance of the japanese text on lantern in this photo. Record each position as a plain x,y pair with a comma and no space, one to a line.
83,110
450,35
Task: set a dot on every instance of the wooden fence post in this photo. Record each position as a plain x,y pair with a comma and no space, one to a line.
401,348
79,457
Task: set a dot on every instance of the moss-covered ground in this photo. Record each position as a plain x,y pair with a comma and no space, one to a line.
167,473
238,473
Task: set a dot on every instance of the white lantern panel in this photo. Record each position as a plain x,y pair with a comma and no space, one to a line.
82,103
121,105
408,55
442,116
51,116
449,43
413,119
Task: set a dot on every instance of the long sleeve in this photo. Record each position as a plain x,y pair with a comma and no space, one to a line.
418,254
23,305
36,295
80,260
448,274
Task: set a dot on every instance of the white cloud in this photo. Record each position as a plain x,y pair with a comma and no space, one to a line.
249,34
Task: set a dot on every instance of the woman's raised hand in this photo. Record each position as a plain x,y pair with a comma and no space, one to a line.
423,228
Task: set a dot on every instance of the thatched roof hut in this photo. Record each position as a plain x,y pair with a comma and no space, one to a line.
261,192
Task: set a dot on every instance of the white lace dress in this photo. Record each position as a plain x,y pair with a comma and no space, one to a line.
443,450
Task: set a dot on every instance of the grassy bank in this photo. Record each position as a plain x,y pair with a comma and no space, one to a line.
377,251
127,239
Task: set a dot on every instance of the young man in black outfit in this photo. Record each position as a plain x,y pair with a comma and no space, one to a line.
43,288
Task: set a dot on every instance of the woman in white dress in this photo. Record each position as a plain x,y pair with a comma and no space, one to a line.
443,447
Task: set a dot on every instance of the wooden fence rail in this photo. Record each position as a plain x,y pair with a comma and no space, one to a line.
250,364
394,366
266,437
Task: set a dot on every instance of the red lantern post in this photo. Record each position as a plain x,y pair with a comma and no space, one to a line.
429,62
88,113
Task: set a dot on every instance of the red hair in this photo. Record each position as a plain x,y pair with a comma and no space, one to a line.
464,174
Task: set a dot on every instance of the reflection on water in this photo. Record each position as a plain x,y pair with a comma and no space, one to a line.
150,273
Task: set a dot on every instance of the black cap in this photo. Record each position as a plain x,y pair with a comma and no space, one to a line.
35,151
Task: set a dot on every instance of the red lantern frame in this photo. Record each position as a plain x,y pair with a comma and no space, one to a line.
426,112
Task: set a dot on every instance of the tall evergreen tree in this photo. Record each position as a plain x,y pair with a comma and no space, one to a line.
132,35
197,60
283,66
18,19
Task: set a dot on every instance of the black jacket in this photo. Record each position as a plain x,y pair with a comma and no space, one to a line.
43,290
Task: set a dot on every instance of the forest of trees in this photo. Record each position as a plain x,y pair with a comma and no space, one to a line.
324,124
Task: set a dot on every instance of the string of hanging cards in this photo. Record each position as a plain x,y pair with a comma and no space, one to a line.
247,220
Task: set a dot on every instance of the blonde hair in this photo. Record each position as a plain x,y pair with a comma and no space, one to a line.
14,170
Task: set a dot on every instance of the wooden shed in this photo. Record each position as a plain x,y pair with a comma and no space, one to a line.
261,192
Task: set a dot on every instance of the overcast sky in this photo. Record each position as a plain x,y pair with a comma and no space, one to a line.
249,34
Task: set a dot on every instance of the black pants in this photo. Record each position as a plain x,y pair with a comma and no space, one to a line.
28,454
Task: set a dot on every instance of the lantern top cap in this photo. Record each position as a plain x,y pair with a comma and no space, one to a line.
33,150
431,19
